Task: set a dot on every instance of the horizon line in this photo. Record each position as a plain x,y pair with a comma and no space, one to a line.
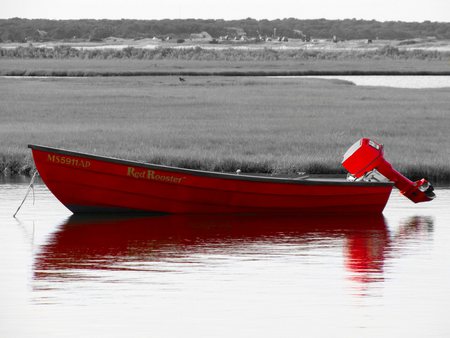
218,19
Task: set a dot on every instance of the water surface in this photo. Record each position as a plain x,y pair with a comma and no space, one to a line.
223,276
402,81
397,81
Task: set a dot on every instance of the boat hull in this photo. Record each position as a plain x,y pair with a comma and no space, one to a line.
90,183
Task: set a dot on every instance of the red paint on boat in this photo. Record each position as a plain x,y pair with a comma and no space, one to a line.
91,183
365,158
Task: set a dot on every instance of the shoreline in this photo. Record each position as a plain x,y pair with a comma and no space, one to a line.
71,73
12,167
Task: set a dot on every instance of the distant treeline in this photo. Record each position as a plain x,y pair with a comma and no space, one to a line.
22,30
229,54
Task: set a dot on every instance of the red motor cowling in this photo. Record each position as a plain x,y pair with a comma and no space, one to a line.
364,161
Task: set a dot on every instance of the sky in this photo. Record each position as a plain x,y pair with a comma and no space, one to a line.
381,10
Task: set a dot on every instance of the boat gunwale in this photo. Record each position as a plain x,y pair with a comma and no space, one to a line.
308,180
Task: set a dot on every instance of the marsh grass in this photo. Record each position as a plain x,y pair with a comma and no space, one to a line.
197,53
225,124
134,67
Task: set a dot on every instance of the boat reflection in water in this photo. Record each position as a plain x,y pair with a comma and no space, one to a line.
154,243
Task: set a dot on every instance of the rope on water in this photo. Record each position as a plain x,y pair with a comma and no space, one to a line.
30,187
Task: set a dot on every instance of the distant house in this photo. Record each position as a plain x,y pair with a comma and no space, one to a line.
300,34
235,33
201,36
42,33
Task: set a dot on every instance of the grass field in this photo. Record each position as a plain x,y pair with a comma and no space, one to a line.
225,123
81,67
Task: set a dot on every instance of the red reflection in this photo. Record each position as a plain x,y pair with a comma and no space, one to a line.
365,256
104,243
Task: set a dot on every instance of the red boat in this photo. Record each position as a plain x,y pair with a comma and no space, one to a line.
91,183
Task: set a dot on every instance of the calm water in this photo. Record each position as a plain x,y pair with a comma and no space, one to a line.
179,276
396,81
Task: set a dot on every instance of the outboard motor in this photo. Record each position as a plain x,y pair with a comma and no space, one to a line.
364,161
